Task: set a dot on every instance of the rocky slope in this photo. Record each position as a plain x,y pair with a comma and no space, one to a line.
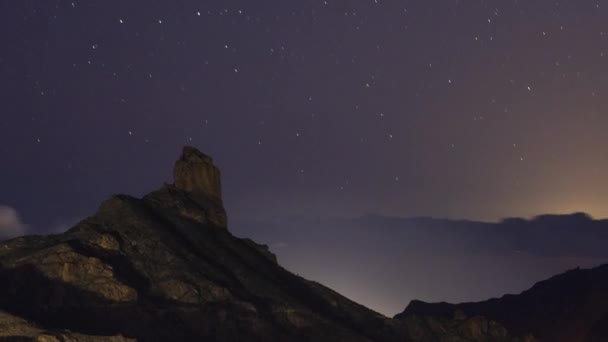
165,268
570,307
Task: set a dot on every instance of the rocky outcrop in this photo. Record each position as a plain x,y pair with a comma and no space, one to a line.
196,192
195,173
158,268
163,268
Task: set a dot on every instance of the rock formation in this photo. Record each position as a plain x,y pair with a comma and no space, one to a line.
198,179
165,268
195,173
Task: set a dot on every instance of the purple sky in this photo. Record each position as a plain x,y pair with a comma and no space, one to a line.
317,109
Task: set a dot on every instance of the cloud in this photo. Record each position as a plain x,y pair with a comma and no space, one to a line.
10,223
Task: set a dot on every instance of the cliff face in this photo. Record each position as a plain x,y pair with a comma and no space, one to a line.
165,268
195,176
195,173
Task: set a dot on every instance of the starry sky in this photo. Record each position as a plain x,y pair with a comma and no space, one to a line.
457,109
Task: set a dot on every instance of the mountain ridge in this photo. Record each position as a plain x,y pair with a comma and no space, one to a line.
571,306
165,267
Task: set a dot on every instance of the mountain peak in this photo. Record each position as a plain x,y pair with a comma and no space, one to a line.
190,152
196,192
162,259
195,173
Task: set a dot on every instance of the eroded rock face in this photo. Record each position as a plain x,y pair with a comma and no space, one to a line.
62,262
194,172
198,178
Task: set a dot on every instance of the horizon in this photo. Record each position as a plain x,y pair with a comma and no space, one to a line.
321,112
378,297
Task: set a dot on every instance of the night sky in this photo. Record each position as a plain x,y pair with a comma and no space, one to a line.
312,109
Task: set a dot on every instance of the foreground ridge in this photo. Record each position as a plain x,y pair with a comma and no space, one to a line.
572,306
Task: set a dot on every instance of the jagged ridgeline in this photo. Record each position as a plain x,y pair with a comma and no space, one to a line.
166,268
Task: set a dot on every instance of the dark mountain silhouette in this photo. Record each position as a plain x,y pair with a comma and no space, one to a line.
165,268
570,307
